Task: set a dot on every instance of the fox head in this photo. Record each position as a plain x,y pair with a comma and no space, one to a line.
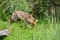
34,21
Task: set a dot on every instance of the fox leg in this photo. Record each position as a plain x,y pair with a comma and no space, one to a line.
18,20
32,25
25,23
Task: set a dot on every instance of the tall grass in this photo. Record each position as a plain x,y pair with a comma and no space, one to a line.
42,31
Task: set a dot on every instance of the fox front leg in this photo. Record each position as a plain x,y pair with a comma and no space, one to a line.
33,25
18,20
25,24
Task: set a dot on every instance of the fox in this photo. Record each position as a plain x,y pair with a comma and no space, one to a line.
21,15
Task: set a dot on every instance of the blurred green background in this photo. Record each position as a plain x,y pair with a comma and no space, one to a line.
46,11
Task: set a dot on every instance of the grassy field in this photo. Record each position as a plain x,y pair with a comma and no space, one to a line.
42,31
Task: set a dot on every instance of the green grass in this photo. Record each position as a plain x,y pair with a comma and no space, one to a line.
42,31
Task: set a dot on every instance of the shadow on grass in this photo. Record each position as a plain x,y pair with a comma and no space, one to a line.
2,37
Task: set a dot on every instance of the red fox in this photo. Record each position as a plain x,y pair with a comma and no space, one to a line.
23,16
